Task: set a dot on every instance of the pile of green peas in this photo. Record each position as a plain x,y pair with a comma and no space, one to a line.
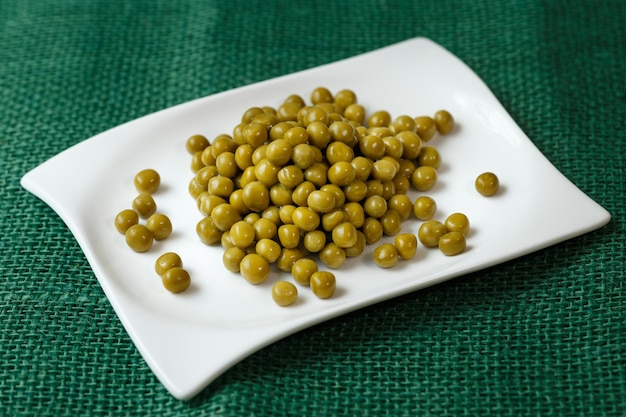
312,181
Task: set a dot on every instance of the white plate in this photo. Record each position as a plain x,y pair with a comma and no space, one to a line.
189,339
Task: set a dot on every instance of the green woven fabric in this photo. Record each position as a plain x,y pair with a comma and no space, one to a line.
540,335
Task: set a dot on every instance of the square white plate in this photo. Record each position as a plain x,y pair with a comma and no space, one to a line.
189,339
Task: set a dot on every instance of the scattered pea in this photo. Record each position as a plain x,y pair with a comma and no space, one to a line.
406,245
144,205
323,284
457,222
487,184
444,122
139,238
386,255
426,127
303,269
125,219
284,293
147,181
452,243
430,232
176,280
160,226
167,261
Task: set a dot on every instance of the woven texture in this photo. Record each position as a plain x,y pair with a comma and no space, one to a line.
540,335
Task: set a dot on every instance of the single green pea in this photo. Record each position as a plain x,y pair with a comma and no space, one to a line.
147,181
426,127
424,178
254,268
125,219
305,218
452,243
406,245
344,235
323,284
430,232
332,255
457,222
444,121
139,238
242,234
424,208
284,293
303,269
196,143
144,205
231,258
167,261
160,226
386,255
487,184
176,280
